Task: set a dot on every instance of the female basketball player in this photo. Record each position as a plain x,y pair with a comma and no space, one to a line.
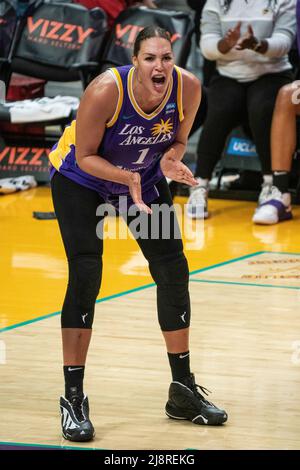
131,132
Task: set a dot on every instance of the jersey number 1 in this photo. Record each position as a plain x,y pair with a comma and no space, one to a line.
142,156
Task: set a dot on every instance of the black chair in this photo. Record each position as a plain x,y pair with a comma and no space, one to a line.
53,41
8,24
131,21
60,42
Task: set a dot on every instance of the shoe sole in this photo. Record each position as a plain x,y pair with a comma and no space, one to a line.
192,216
8,190
287,217
199,419
79,438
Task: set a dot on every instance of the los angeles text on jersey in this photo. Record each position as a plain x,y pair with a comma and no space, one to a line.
135,135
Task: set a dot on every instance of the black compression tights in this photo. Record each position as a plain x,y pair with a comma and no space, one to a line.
75,208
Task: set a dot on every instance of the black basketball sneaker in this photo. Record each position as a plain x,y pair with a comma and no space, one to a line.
75,422
185,402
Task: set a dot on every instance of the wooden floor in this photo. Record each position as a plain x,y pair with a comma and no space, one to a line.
245,337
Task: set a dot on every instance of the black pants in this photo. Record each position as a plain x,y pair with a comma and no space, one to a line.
231,103
75,208
202,111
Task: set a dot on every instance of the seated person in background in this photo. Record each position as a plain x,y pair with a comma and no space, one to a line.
250,42
114,7
277,207
209,66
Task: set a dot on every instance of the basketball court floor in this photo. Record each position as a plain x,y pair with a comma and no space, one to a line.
245,335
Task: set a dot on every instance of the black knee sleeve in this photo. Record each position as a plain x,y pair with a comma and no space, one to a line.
171,275
85,273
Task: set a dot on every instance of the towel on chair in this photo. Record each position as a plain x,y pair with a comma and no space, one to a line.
41,109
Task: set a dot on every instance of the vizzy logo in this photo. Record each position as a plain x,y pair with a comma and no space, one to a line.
131,30
129,33
57,30
23,155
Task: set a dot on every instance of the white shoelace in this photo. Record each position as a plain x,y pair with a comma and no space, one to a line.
265,193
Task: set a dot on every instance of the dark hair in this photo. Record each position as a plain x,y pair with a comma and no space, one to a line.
150,32
227,3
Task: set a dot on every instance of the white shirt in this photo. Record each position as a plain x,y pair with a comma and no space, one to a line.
277,25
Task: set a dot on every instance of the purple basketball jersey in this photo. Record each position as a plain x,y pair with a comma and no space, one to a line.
133,140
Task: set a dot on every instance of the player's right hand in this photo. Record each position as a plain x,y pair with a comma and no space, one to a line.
135,189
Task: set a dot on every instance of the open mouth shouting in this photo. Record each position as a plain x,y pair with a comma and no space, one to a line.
159,81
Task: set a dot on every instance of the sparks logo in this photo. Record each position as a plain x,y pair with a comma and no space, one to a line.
45,30
162,127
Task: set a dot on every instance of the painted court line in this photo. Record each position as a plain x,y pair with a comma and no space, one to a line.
44,446
136,290
236,283
208,281
146,286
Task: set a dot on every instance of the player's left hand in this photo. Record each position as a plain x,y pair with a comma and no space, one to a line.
176,170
